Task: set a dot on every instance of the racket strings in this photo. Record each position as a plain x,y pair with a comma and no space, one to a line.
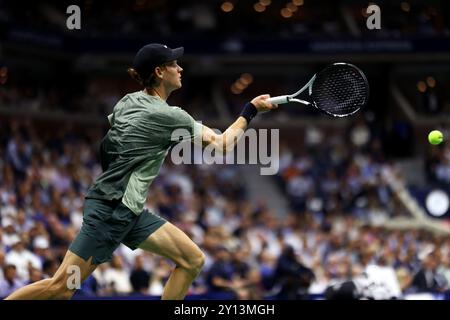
340,90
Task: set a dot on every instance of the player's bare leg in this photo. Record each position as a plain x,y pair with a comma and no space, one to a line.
56,287
170,242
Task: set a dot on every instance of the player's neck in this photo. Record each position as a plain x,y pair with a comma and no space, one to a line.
158,92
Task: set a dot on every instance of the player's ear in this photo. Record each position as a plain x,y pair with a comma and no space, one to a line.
158,72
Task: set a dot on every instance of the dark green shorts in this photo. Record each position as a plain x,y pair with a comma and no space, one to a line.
107,224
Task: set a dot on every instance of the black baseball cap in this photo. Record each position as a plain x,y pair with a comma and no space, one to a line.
152,55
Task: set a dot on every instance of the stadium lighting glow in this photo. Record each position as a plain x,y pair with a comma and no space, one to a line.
246,78
431,82
364,10
405,6
239,85
235,90
291,7
3,75
297,2
259,7
364,13
421,86
265,2
227,6
286,13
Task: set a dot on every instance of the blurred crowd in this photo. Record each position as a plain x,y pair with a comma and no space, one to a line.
336,180
332,234
340,173
95,96
218,18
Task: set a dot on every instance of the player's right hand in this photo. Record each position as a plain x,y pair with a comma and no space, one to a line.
261,103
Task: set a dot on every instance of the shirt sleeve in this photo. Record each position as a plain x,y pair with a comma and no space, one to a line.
185,127
171,124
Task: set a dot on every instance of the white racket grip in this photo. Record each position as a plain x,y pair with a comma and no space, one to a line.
279,99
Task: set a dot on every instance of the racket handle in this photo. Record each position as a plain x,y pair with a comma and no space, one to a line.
279,100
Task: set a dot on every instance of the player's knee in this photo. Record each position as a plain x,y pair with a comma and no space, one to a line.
196,262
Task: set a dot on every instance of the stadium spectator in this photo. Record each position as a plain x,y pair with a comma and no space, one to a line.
248,277
139,277
10,281
222,278
116,277
22,259
427,278
292,276
35,275
160,274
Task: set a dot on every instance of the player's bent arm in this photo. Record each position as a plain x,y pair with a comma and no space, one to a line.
226,141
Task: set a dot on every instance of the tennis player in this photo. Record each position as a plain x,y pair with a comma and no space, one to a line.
132,153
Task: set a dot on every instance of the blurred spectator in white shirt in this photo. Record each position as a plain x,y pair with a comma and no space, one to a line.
9,209
41,248
9,235
379,282
117,278
22,259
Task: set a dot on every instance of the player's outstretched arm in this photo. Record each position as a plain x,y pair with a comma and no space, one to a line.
226,141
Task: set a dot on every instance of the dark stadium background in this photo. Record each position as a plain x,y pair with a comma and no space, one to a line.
349,202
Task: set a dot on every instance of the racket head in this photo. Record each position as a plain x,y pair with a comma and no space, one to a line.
340,90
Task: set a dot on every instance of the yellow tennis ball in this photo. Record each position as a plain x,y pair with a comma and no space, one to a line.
435,137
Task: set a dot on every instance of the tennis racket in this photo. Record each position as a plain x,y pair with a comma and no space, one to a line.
340,90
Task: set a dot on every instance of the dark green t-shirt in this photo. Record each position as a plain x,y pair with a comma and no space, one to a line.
135,146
